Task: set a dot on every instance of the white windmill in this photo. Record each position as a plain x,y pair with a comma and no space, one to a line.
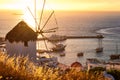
21,40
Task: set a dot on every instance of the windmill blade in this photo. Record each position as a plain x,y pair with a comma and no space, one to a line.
33,16
47,20
55,19
41,14
44,41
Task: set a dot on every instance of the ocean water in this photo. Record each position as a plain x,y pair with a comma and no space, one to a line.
76,23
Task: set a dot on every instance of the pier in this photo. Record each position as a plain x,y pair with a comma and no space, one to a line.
78,37
82,37
68,37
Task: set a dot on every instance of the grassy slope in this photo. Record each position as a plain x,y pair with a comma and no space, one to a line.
21,68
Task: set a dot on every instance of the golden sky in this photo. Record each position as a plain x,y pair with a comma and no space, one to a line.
84,5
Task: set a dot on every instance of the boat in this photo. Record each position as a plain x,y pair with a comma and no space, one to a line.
98,50
94,62
46,60
55,38
115,56
80,54
59,47
62,54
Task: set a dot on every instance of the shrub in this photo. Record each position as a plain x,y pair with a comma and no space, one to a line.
115,74
21,68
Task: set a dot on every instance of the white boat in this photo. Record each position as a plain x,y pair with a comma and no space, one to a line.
59,47
55,38
46,60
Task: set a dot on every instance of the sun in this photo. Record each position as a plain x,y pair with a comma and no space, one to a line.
32,12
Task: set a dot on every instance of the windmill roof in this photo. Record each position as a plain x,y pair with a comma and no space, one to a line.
21,32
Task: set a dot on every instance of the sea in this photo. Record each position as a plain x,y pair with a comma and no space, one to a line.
75,23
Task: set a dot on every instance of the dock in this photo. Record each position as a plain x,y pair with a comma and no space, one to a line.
78,37
82,37
67,37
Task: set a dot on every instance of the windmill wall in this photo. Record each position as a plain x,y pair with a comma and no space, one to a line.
18,49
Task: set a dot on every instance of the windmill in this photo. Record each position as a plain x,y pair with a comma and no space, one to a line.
21,40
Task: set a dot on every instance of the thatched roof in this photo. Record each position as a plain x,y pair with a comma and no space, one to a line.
21,32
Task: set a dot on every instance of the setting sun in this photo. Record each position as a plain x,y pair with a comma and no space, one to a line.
58,5
84,5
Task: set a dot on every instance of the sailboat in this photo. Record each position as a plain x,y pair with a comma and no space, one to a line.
100,48
56,38
59,47
115,56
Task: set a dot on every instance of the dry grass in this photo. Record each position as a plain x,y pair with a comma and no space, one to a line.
21,68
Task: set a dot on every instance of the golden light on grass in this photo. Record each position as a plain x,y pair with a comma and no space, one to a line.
14,68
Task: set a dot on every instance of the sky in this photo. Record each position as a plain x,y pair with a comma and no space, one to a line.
83,5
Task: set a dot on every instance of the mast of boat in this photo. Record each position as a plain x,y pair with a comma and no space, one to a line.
116,48
99,40
100,48
99,43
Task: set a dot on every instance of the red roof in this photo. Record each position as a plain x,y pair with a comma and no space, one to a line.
76,64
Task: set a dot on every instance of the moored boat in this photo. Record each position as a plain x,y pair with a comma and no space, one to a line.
99,50
62,54
46,60
115,56
59,47
55,38
80,54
